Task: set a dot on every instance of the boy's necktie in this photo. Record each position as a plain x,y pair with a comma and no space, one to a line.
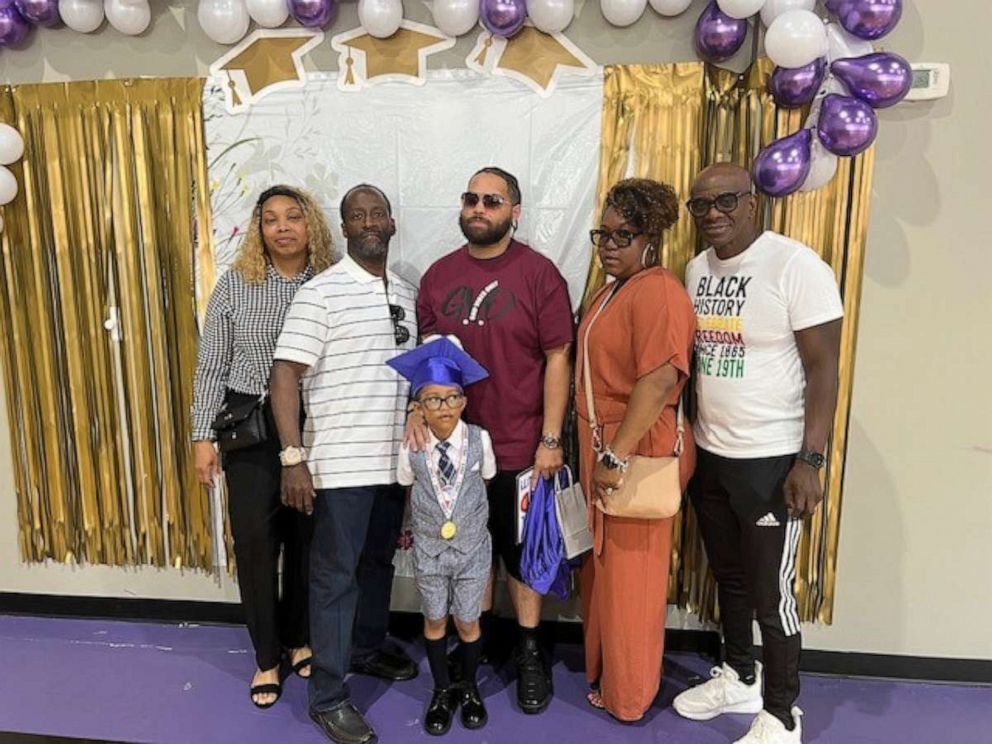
444,463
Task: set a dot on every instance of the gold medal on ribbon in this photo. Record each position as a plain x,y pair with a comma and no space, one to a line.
448,530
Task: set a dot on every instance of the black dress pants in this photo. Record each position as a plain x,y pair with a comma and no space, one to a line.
262,528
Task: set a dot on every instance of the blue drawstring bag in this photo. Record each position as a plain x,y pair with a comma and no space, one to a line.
543,565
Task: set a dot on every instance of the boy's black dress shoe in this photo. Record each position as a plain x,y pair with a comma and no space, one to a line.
441,710
473,709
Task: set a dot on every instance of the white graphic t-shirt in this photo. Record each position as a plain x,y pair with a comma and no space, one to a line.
749,377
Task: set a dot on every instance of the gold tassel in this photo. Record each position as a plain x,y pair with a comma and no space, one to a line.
481,59
235,98
349,78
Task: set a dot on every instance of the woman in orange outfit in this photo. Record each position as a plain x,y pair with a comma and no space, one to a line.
640,348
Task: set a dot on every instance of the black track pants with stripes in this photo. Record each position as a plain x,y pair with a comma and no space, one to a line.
751,545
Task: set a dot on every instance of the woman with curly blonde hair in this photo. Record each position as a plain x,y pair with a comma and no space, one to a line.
638,333
287,243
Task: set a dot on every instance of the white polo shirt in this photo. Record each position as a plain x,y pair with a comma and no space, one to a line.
340,326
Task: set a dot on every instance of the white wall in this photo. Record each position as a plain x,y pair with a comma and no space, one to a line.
914,552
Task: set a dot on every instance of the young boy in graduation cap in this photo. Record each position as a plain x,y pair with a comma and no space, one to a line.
452,549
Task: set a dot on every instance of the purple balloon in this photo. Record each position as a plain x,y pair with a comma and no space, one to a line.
13,28
6,4
868,19
792,87
881,79
313,13
718,36
847,126
40,12
503,17
782,167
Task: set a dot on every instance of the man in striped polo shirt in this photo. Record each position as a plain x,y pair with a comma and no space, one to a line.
341,329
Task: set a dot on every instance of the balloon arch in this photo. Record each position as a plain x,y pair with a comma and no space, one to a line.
826,63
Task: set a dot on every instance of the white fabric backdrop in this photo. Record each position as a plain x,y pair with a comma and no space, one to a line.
420,145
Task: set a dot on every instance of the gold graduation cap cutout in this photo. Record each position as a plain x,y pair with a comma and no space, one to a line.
266,61
365,60
532,57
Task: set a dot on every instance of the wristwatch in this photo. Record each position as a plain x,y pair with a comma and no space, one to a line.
814,459
551,441
611,462
292,456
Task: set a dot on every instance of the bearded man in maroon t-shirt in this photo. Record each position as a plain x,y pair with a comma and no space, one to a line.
509,306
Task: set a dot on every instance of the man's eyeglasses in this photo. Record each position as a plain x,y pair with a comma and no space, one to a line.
489,201
701,205
620,238
434,402
400,332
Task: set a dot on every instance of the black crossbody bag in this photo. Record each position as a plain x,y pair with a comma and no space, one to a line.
241,426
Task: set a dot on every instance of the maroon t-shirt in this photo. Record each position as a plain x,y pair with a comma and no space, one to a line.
507,312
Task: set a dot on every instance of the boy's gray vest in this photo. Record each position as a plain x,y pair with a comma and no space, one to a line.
471,513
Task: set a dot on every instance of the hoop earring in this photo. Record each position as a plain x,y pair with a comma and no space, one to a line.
644,256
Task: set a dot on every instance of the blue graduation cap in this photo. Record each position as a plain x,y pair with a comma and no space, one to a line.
440,361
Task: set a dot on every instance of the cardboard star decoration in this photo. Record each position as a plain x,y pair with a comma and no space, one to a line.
365,60
267,60
534,58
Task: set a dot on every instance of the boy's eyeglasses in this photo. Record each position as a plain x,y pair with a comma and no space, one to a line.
434,402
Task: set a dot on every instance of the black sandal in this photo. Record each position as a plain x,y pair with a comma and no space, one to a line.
298,666
270,687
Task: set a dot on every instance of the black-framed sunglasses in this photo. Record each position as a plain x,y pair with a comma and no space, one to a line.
727,202
401,334
621,238
490,201
434,402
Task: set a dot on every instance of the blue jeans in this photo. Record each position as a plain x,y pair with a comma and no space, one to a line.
351,579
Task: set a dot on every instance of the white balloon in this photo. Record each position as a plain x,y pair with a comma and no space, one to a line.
129,18
268,13
841,44
772,9
823,166
455,17
83,16
224,21
796,38
381,18
670,7
8,186
622,12
740,8
11,145
551,16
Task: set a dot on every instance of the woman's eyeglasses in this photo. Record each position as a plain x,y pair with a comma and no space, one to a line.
727,202
434,402
620,238
489,201
400,332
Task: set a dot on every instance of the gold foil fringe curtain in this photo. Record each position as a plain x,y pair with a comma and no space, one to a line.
667,122
99,321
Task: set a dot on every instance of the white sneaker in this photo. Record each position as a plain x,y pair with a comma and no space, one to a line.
767,729
725,693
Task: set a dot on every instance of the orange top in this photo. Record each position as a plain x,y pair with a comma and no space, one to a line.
648,323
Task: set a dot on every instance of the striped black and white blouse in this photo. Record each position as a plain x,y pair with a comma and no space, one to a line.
239,337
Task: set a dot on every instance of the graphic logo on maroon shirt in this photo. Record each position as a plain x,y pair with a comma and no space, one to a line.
492,303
